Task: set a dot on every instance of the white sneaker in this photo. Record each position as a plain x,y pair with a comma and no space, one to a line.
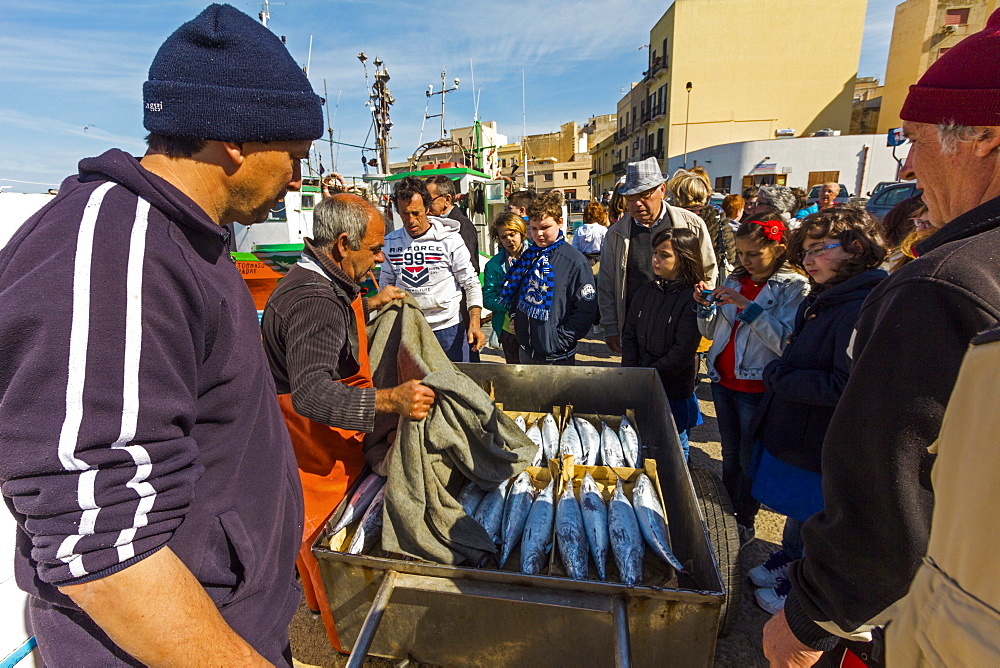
772,599
771,571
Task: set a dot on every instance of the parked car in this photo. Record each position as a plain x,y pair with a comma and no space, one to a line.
889,196
842,198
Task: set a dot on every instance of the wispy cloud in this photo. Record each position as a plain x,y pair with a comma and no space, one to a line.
54,127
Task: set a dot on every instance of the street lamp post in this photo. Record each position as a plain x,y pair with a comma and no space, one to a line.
687,121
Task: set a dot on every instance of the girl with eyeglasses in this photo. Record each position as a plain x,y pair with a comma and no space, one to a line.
748,318
840,248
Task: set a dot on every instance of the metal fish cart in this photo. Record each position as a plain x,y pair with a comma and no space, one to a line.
457,615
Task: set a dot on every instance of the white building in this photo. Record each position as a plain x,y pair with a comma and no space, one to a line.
857,161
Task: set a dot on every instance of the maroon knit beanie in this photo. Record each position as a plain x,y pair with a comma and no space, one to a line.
963,85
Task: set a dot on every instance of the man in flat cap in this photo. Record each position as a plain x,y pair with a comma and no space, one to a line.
144,455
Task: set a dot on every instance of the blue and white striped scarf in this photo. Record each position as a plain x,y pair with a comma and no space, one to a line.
531,281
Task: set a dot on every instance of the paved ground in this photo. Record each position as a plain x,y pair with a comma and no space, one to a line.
741,649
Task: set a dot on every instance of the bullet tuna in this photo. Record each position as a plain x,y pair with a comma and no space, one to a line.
550,436
519,421
516,510
535,434
590,439
571,535
650,515
630,443
570,444
611,447
470,497
490,512
536,542
626,537
370,528
360,500
595,521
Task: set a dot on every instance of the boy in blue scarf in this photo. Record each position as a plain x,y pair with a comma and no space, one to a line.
549,290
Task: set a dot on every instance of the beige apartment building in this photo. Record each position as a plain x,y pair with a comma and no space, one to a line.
922,31
723,71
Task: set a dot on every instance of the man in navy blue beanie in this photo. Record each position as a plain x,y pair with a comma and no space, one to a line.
142,451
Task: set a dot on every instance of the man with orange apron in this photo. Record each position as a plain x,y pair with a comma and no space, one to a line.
313,330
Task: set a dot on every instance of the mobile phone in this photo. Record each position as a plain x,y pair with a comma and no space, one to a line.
707,295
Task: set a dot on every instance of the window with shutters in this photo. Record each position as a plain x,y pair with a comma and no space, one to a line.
957,17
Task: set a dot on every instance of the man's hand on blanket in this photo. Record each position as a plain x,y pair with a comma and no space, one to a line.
412,400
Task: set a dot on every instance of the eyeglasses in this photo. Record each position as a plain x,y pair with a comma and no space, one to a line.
632,199
817,251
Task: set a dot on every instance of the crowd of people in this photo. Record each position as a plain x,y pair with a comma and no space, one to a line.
169,463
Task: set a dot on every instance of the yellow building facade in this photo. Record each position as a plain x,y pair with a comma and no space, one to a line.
922,31
720,72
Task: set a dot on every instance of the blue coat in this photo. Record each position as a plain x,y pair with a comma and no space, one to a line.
805,383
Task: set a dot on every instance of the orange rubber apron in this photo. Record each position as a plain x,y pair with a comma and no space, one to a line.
329,461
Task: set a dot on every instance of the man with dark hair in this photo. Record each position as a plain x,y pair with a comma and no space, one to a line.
314,335
519,201
427,258
144,455
863,549
443,192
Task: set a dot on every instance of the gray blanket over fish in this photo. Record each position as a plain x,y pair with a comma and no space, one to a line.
463,437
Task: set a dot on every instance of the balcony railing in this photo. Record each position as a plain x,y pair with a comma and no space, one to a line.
656,153
618,168
660,109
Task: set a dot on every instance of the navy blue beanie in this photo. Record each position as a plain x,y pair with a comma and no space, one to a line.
224,76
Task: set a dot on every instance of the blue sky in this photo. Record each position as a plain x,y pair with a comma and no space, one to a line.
71,71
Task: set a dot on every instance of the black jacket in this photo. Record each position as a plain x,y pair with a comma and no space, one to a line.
805,383
467,230
574,307
661,332
863,549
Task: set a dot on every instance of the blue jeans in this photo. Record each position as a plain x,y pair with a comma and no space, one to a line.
684,437
454,342
791,538
734,412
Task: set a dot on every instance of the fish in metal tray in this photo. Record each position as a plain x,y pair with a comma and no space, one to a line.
590,439
470,497
595,521
516,510
489,514
360,500
611,447
535,434
570,443
652,520
536,542
629,439
550,436
571,536
370,528
519,421
625,536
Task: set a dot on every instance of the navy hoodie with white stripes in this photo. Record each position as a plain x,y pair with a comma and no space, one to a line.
137,409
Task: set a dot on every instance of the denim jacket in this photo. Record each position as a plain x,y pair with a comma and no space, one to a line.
765,324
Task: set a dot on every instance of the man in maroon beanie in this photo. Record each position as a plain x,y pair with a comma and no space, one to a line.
864,548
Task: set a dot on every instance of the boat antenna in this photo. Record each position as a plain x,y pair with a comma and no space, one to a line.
309,57
444,91
475,98
524,131
265,13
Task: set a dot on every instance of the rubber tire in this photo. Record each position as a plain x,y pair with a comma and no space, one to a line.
725,537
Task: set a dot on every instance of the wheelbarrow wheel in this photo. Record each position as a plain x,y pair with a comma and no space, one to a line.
725,536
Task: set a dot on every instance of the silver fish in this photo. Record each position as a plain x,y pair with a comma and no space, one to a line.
591,440
470,497
490,512
516,509
611,447
630,443
550,436
595,520
649,512
519,421
370,528
571,534
535,434
626,537
360,500
570,444
536,542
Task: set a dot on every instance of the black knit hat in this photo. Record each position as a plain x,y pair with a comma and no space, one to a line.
224,76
